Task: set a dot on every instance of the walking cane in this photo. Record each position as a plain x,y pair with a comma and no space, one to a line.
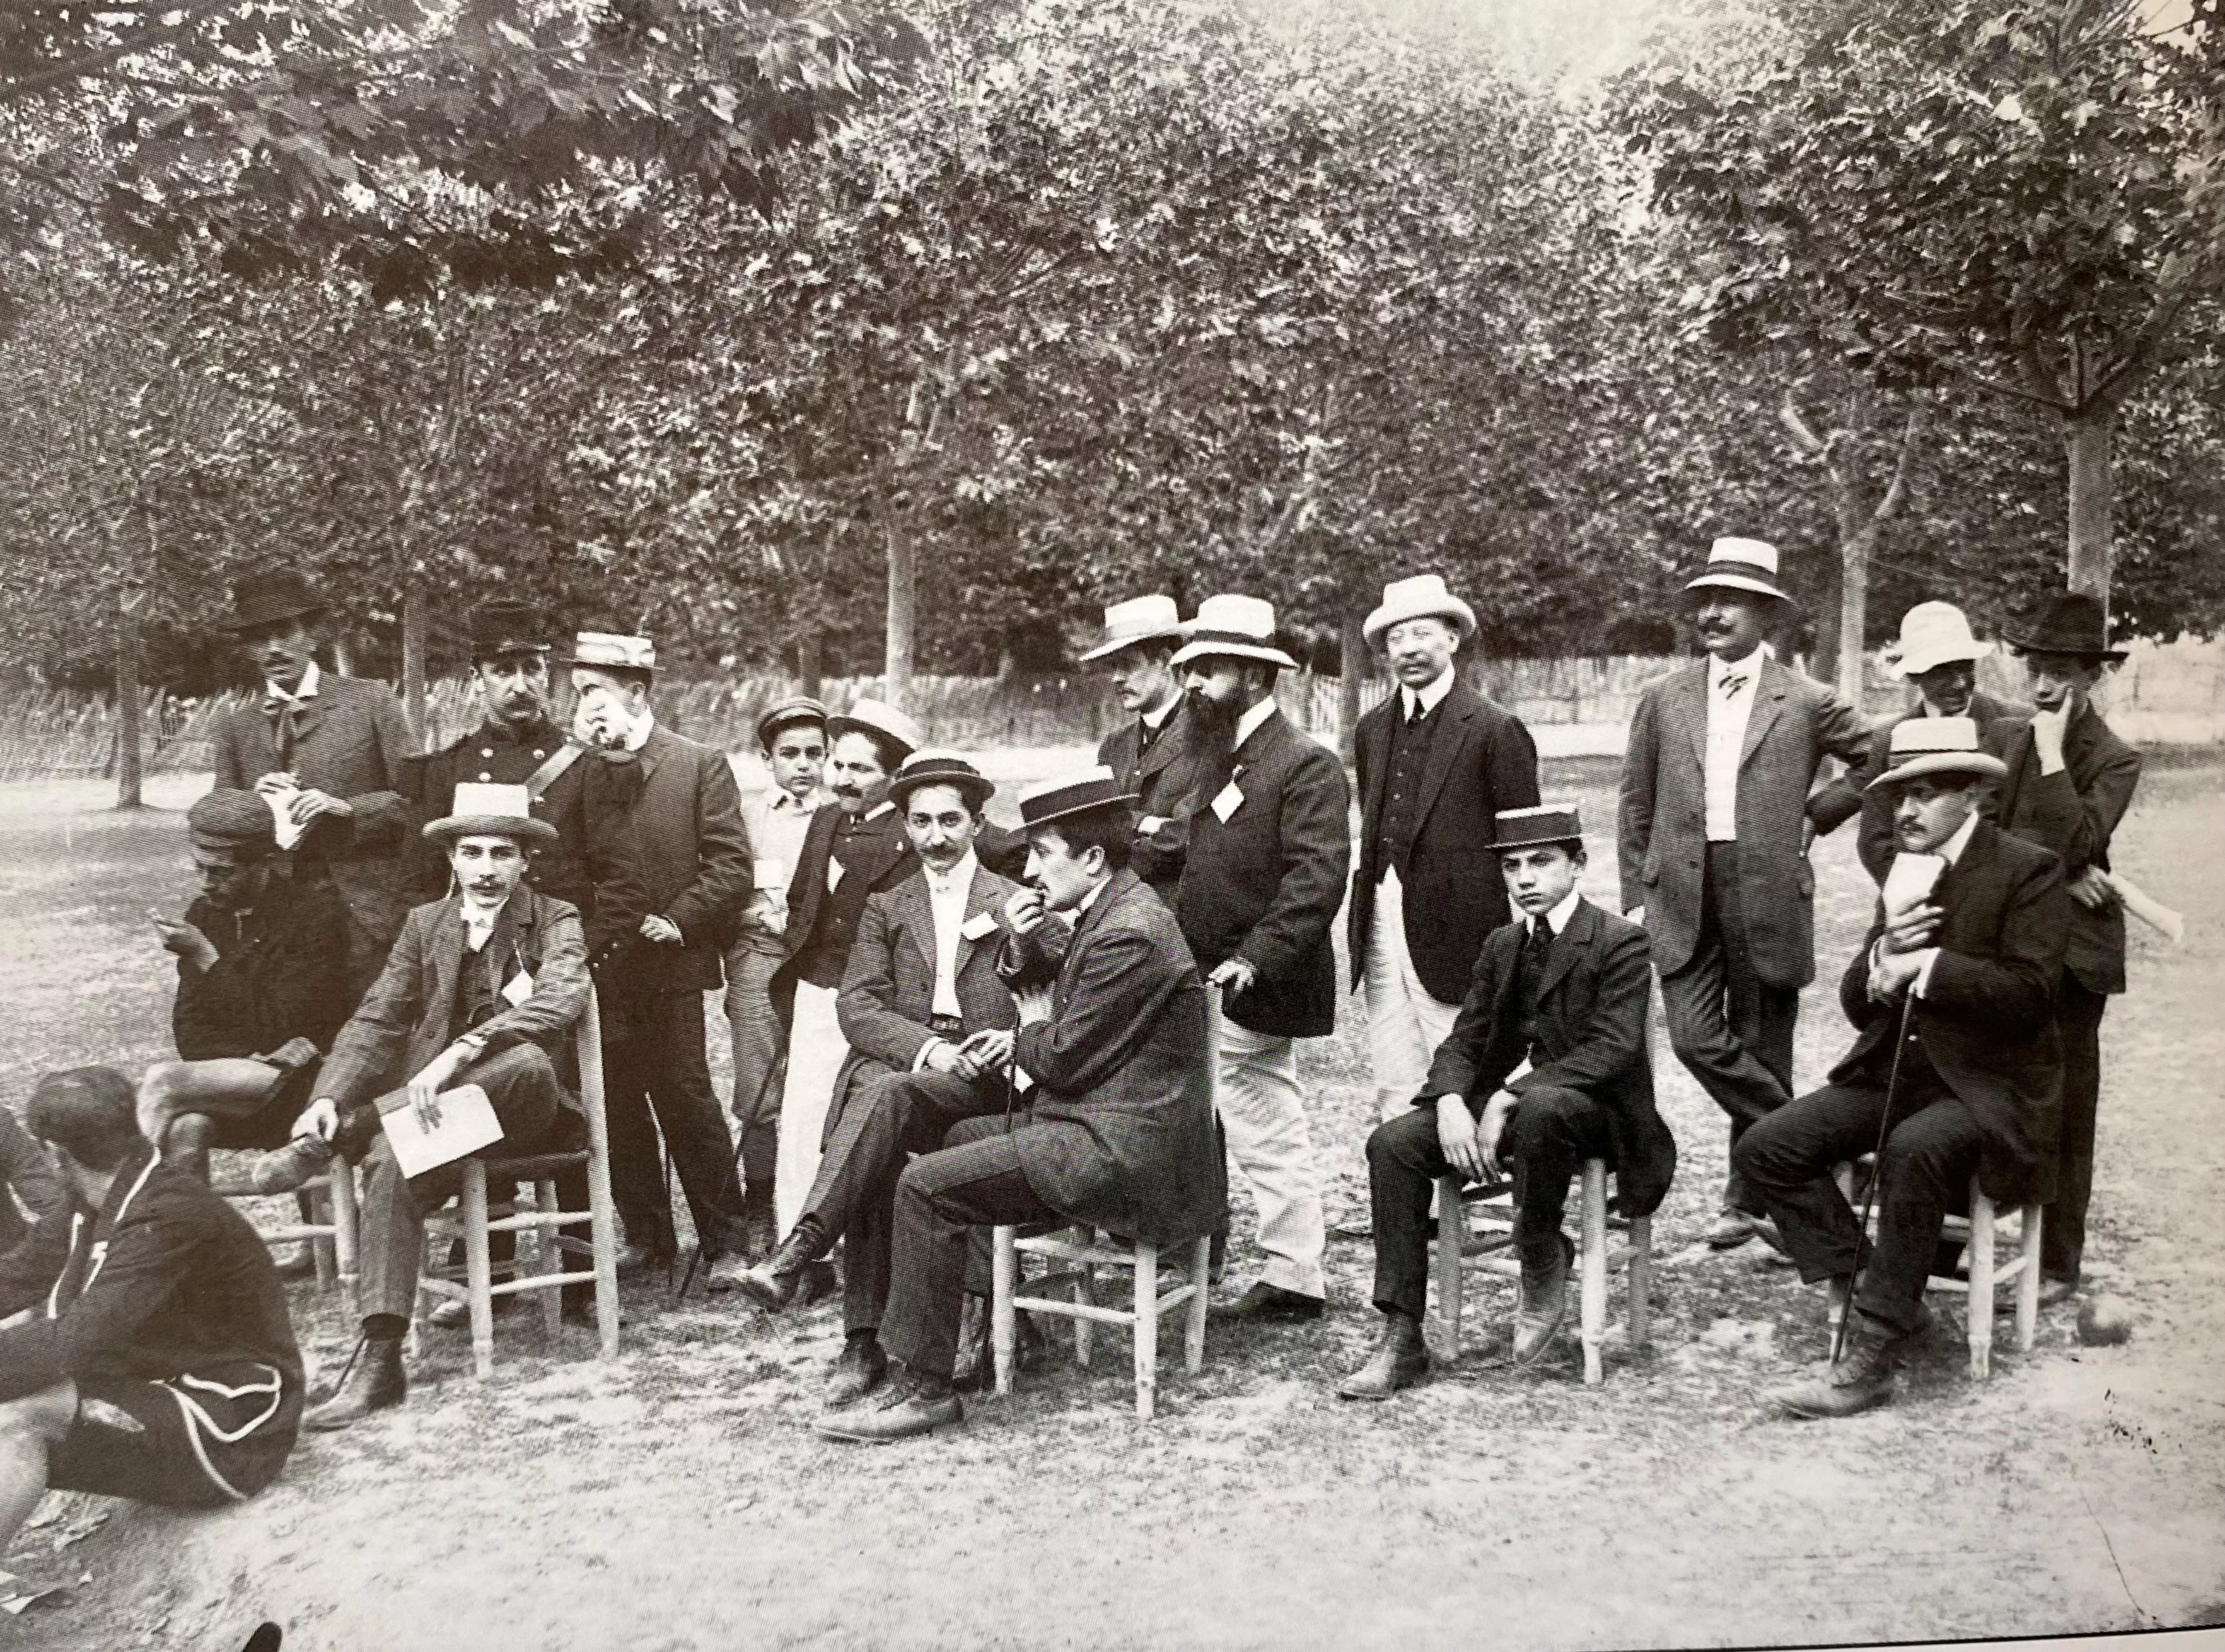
1877,1155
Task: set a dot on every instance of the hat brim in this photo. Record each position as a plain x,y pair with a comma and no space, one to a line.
1533,841
838,726
1106,650
269,616
774,722
489,825
1462,616
1260,651
2072,646
606,665
1980,765
1736,582
978,788
1118,799
1915,665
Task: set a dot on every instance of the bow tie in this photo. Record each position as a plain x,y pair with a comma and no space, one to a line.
1735,681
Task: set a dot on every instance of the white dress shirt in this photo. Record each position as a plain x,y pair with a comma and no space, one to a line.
1422,701
1727,713
778,825
947,894
478,921
307,690
1556,917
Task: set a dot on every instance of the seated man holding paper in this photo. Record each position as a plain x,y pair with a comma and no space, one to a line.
1956,1067
456,1048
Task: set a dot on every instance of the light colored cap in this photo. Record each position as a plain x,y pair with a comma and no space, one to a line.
1232,627
600,649
1938,745
482,808
1140,619
879,717
1740,565
1932,634
1423,597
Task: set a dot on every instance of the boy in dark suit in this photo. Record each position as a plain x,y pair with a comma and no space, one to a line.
1545,1067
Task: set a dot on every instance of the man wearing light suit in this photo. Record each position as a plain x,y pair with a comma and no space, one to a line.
1716,787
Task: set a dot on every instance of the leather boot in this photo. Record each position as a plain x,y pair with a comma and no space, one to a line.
374,1381
772,1283
1544,1298
1400,1360
858,1370
286,1169
907,1406
1862,1379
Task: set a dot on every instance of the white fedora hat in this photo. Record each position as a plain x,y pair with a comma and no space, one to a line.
1740,565
1423,597
1139,619
1938,745
1230,627
1932,634
596,650
878,717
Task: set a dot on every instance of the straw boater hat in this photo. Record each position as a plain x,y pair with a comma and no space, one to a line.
1529,828
270,595
1140,619
613,651
1932,634
486,810
1230,627
878,717
503,626
1423,597
1740,565
786,714
942,769
2072,623
1071,794
232,821
1938,745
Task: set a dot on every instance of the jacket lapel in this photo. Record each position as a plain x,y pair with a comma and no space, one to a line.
917,907
1568,947
1453,729
447,945
981,897
1114,889
652,752
1161,751
1690,699
1769,692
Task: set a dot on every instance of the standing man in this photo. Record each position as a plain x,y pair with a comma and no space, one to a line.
1270,847
328,753
1151,754
1438,763
792,735
695,860
2069,782
1715,838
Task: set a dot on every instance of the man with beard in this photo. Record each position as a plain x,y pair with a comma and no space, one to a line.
327,753
1714,828
1268,850
1152,752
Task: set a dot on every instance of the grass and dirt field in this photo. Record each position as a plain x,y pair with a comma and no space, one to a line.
677,1498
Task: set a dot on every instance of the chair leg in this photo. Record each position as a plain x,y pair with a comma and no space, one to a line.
1452,1231
1147,1329
2027,1296
347,1233
1003,1277
1193,1327
1641,1282
548,1258
1084,1290
318,1208
1981,1284
477,1274
1594,1309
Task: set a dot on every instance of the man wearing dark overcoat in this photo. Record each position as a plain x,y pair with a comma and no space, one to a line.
1714,825
1436,762
1151,750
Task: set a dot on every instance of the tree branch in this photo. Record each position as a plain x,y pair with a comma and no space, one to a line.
92,63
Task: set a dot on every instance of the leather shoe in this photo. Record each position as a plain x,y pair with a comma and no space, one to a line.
760,1237
454,1314
2053,1289
1545,1301
1400,1360
636,1258
772,1283
1731,1229
373,1382
898,1412
1860,1380
1270,1303
858,1371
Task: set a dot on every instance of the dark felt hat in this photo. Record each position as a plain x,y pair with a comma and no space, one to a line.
1528,828
230,818
273,594
503,626
1055,800
942,769
2071,622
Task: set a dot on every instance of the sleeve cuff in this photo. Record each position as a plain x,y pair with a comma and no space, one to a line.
1922,987
919,1061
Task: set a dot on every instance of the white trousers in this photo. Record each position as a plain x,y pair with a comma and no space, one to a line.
816,1050
1405,1023
1273,1151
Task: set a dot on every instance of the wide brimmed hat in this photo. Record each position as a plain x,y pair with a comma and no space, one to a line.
2072,623
796,708
612,651
1938,745
879,717
503,626
1740,565
272,595
228,819
1529,828
1932,634
1140,619
482,809
1067,796
942,769
1230,627
1423,597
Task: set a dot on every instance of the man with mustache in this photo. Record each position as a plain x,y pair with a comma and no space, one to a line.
1714,832
327,753
1153,752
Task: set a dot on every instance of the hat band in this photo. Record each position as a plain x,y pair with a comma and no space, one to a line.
1235,639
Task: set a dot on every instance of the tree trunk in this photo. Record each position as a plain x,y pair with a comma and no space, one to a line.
811,658
130,733
415,623
1354,666
904,590
2088,439
1854,611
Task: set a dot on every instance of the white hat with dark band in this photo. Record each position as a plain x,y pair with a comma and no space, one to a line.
1231,627
1740,565
1938,745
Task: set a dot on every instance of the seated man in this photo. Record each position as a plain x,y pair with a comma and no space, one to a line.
1956,1065
482,988
929,1028
155,1361
1121,1134
1545,1067
263,987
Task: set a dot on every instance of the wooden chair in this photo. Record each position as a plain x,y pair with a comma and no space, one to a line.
1595,1259
330,1233
475,1218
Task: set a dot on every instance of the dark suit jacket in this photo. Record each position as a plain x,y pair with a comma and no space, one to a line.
2075,812
1849,795
1121,1134
695,856
350,740
1165,780
1482,761
1796,723
1593,1006
1987,1022
888,989
822,922
281,973
1267,883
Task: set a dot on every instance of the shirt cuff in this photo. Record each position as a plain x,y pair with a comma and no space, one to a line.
1921,985
919,1061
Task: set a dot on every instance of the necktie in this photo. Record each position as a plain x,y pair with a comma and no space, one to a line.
280,709
1414,716
1732,681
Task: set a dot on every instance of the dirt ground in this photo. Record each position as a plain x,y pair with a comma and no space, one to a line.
675,1498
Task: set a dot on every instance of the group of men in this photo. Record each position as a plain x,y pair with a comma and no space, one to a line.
939,1025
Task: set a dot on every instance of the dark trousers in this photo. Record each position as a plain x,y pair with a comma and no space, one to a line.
884,1121
941,1198
659,1063
2063,1230
1930,1151
1732,1032
1550,1134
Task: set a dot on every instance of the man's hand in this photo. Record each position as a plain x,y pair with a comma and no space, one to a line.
661,929
767,913
1035,1005
1892,971
308,805
987,1052
320,1119
278,780
1456,1137
2092,890
1024,910
941,1055
1234,975
1914,930
294,1053
424,1089
1491,1130
2047,729
184,940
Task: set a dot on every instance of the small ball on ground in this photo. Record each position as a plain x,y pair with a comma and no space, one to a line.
2105,1322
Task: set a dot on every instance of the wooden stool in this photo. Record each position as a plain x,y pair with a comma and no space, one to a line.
1979,1234
475,1220
1076,1254
332,1240
1595,1259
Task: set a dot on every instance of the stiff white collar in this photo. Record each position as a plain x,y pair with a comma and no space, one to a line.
959,878
1749,668
1248,725
310,679
1951,850
1556,918
1430,696
638,736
